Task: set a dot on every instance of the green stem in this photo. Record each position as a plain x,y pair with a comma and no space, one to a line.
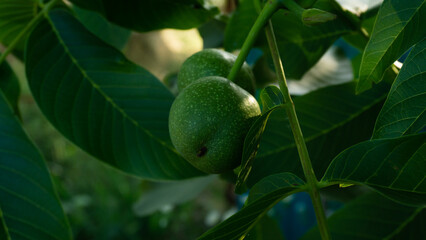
311,179
41,3
27,28
270,8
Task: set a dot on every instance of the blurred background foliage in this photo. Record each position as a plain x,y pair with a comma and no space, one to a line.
100,201
104,203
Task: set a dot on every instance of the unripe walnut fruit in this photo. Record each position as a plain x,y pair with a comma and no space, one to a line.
214,62
208,123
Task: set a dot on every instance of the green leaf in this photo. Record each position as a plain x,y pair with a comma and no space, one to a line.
413,229
9,85
271,97
108,106
393,167
110,33
151,15
170,193
371,216
272,184
251,146
4,233
404,111
263,196
300,46
28,201
313,16
14,16
332,119
397,28
266,228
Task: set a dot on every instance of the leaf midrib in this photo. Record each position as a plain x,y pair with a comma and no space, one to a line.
326,131
337,181
107,99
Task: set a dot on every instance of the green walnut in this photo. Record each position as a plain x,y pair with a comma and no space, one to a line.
208,122
214,62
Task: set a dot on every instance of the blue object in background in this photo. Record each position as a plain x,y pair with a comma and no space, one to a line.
295,215
253,56
405,55
348,49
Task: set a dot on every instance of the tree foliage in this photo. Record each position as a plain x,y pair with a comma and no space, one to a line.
367,132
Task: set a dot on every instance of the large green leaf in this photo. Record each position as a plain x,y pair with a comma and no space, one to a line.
394,167
332,119
300,46
14,16
397,28
152,14
108,106
372,216
9,85
404,111
266,229
28,201
263,196
110,33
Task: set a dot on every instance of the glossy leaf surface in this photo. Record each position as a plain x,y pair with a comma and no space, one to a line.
151,15
263,196
371,216
28,201
393,167
110,33
14,16
399,25
331,118
270,97
404,111
108,106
